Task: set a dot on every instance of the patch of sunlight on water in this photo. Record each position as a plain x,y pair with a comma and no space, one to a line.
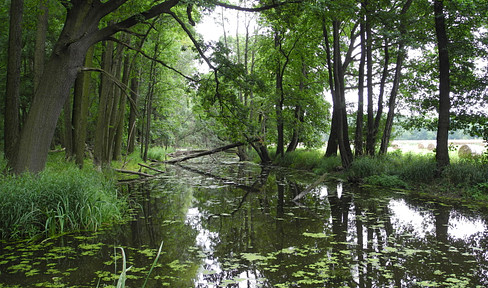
323,191
407,220
421,223
462,227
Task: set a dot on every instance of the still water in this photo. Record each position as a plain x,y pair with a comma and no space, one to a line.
235,225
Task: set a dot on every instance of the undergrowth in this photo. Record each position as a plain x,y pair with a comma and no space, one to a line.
59,199
467,178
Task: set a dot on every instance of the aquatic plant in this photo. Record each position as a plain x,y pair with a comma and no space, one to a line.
123,274
56,201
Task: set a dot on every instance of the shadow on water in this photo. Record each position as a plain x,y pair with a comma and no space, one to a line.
235,225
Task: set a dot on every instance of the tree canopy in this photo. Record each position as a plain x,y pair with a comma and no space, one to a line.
101,78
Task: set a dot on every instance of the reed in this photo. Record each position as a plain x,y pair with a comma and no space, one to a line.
57,200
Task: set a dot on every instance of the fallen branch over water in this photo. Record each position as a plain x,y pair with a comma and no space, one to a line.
209,152
134,172
150,168
310,187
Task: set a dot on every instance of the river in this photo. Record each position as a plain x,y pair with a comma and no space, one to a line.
229,224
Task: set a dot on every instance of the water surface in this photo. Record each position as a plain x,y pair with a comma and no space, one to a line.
235,225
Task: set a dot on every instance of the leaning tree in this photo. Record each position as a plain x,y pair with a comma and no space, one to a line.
82,28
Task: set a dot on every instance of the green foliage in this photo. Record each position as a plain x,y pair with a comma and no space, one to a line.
158,153
465,173
301,159
385,180
367,166
56,201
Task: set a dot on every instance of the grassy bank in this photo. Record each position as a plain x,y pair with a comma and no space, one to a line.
465,178
61,198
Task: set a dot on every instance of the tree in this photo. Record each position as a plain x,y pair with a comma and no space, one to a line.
12,124
81,30
442,150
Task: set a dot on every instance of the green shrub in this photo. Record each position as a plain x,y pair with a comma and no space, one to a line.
384,180
327,164
465,173
301,159
416,168
55,201
367,166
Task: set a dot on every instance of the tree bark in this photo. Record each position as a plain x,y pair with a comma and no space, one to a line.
332,143
40,47
116,99
343,136
68,128
442,151
379,111
279,101
11,116
103,115
80,110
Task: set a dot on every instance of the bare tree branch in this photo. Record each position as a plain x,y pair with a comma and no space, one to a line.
257,9
117,82
153,59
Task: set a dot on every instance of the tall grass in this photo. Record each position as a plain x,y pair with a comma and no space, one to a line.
59,199
312,160
158,153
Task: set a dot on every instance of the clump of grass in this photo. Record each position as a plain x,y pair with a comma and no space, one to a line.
158,153
465,173
416,168
383,180
57,200
367,166
327,164
301,159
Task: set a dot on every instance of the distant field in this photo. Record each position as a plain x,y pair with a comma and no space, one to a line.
424,146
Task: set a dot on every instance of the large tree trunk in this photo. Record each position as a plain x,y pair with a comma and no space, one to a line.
11,117
80,110
442,151
56,82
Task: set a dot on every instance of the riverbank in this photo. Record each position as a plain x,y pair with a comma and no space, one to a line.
465,179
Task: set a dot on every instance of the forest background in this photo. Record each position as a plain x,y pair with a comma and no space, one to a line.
99,77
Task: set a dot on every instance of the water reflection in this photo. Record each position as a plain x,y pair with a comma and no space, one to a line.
235,225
